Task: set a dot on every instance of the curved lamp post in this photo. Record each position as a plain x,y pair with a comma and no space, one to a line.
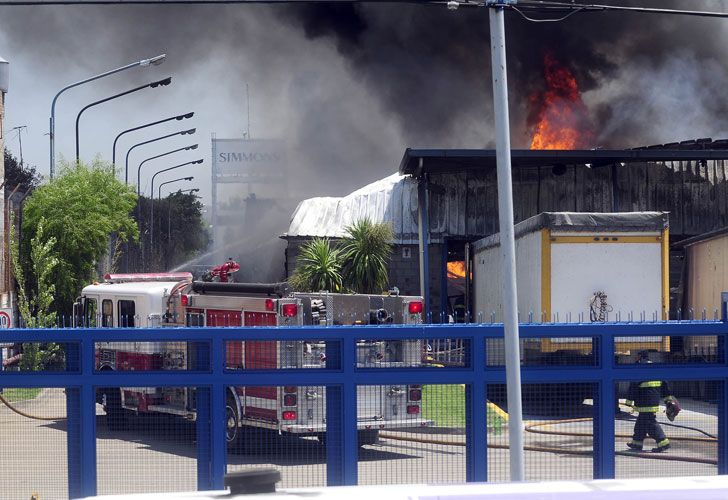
154,61
139,170
169,211
170,182
153,85
126,168
151,219
178,117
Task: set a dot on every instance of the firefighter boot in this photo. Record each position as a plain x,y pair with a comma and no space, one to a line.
635,445
661,446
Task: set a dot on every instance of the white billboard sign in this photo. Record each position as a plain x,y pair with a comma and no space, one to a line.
248,161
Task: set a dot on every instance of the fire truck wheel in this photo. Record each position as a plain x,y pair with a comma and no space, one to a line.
116,417
232,425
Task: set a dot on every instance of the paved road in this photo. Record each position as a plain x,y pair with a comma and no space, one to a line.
158,454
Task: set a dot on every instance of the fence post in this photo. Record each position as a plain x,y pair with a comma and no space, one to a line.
218,464
476,422
81,422
342,447
604,414
722,355
203,428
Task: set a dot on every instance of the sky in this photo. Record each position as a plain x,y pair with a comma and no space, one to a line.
346,87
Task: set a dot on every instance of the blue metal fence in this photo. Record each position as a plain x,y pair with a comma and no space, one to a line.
341,376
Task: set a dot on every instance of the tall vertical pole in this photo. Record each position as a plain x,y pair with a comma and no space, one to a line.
507,238
216,237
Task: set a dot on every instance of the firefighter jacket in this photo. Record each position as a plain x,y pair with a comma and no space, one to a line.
645,397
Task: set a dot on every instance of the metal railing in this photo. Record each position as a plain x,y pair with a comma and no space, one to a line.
341,376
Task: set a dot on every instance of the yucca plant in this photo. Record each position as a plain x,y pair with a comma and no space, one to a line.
365,256
319,268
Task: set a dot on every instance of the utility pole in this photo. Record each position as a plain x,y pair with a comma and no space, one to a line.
20,140
507,237
4,84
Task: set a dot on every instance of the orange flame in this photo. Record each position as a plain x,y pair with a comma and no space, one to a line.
456,269
561,120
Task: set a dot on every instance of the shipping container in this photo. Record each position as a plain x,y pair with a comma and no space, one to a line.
581,267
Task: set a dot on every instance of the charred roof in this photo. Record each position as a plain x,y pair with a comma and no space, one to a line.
417,162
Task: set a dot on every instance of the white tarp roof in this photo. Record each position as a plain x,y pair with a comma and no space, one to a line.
392,199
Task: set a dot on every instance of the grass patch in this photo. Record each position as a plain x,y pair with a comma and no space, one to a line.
444,404
21,393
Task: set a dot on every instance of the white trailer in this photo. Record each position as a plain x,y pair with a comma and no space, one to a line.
581,267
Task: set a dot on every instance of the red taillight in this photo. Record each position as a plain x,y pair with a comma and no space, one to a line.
290,400
185,300
289,415
290,389
415,307
415,395
270,305
289,310
413,409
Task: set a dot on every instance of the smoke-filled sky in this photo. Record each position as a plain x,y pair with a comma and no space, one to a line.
349,87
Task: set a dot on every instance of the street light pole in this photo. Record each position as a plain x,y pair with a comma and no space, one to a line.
169,208
507,237
159,83
133,129
156,60
151,219
169,220
139,170
170,182
139,144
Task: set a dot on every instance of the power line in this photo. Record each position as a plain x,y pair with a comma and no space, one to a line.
546,6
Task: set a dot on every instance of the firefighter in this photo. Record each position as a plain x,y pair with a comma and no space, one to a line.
644,398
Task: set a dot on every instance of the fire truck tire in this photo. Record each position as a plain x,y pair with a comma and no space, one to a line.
116,417
232,425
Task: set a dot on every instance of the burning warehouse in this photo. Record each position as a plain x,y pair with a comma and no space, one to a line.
454,194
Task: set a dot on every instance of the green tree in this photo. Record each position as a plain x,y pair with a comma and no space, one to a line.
365,256
180,232
36,311
318,268
80,209
23,177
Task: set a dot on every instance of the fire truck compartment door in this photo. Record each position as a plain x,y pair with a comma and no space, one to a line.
369,402
312,404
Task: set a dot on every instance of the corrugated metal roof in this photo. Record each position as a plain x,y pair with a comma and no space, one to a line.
392,199
416,162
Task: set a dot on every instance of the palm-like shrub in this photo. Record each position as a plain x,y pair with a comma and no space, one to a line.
319,268
365,256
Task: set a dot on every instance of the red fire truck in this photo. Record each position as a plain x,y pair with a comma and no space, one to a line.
133,300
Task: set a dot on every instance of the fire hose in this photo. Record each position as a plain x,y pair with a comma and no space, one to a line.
26,415
529,428
534,428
